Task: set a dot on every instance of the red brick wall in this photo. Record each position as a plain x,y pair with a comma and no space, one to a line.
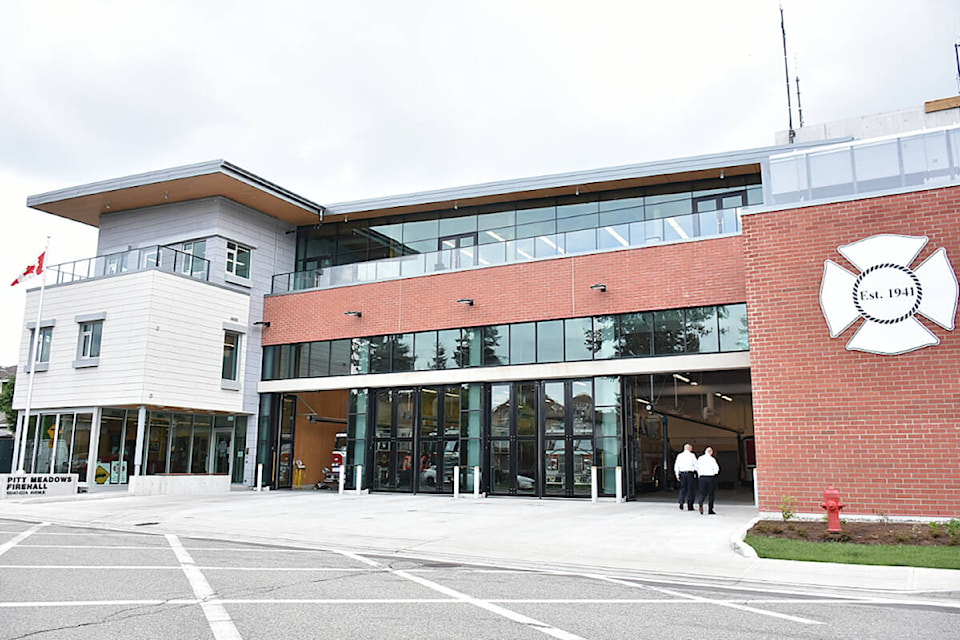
884,430
679,275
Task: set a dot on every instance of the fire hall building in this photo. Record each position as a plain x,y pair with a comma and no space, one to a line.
792,307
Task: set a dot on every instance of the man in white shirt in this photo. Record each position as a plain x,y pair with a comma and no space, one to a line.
685,468
707,469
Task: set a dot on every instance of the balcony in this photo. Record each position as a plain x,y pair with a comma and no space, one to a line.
142,259
704,224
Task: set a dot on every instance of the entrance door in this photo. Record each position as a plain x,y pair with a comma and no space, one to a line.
459,251
513,459
288,416
568,437
222,451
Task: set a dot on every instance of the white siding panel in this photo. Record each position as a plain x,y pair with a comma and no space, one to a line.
161,344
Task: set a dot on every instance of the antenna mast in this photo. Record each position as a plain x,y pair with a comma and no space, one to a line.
956,51
799,107
786,70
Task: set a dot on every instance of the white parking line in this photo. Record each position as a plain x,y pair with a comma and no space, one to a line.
722,603
542,627
10,544
217,617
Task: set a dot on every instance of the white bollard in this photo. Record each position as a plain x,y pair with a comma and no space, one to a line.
359,477
476,483
456,481
260,477
594,490
619,486
756,489
341,478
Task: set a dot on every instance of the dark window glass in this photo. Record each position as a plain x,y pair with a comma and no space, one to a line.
635,336
384,413
380,347
360,355
526,410
550,341
340,357
458,225
535,229
270,362
578,338
702,336
733,327
603,339
668,331
527,213
500,410
402,356
445,357
406,412
470,350
319,360
523,343
669,205
303,361
496,345
429,416
425,351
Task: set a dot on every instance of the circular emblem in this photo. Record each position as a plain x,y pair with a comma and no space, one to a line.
887,293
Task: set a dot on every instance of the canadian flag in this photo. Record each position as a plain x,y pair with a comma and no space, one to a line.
34,269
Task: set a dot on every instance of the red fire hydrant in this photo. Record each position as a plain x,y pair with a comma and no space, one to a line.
833,504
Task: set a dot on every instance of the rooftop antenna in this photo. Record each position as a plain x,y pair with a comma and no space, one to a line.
956,51
799,107
786,70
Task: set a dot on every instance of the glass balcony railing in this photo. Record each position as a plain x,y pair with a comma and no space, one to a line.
142,259
706,224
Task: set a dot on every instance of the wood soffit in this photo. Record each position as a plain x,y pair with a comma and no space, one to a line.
88,208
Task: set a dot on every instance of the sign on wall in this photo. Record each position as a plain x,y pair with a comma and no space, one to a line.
33,485
888,294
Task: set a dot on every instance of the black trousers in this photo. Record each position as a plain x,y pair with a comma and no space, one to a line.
708,489
688,487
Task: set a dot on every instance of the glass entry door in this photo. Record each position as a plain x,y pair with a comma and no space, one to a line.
568,437
514,416
284,468
222,451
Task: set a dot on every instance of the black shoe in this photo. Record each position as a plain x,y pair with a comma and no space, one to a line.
701,509
690,507
712,513
681,506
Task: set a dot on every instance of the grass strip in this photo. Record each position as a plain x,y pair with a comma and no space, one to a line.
934,557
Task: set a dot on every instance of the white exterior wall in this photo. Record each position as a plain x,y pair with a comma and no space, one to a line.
217,220
162,344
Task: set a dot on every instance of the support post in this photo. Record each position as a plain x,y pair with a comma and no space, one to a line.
358,477
594,489
259,476
141,429
341,477
456,481
476,483
619,485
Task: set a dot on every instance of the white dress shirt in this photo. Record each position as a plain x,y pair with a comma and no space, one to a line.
707,465
686,461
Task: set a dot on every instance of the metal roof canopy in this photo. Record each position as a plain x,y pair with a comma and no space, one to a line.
85,203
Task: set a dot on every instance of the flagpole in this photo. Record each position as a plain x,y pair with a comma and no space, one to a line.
31,362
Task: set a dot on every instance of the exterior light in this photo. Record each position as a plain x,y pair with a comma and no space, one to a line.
466,301
599,287
355,314
262,323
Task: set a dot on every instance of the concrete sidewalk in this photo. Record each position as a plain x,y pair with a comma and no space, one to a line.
653,539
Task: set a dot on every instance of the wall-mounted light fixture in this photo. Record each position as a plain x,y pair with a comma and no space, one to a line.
599,287
723,397
262,323
355,314
466,301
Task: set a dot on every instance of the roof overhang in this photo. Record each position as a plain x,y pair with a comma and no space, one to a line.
204,180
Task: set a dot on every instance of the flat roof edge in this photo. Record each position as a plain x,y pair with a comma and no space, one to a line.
622,172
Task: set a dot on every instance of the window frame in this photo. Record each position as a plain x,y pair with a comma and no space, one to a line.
230,378
89,339
235,266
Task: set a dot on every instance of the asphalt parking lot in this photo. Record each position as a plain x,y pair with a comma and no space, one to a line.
60,582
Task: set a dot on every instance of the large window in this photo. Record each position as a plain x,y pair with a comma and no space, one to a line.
90,334
708,329
238,260
192,259
231,355
41,348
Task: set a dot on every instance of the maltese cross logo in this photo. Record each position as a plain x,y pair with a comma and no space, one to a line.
888,294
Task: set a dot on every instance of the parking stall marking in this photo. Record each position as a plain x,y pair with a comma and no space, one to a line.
217,617
691,597
10,544
462,597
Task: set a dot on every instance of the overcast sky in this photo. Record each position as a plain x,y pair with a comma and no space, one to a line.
346,100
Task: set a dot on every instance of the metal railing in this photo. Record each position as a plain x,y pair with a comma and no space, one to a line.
142,259
693,226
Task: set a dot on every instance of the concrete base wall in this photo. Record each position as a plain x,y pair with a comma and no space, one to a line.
177,485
